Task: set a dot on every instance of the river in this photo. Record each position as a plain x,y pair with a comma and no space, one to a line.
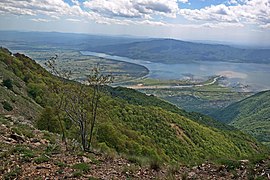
255,76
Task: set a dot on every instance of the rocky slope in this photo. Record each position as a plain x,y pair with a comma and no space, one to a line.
30,153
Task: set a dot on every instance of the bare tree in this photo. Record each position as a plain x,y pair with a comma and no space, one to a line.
97,81
77,101
81,105
58,90
77,106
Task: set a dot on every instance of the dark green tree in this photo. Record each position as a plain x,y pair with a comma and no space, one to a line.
47,120
8,83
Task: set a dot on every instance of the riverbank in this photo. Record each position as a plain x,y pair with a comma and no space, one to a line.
206,83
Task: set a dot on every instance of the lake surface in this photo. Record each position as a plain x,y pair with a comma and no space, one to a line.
256,76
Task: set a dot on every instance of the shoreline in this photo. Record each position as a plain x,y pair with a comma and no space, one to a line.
141,87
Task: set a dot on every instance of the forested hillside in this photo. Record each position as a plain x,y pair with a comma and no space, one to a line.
251,115
128,122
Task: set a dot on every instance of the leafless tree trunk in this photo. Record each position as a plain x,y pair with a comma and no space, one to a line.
78,104
96,80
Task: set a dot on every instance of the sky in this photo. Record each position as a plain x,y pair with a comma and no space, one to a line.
245,22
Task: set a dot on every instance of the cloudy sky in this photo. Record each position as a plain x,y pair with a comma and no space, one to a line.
237,21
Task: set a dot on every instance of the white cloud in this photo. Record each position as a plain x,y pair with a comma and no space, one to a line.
76,2
236,13
73,20
145,9
41,20
265,26
244,11
52,8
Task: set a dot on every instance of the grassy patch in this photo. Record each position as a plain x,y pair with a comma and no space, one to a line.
77,174
83,167
23,130
27,157
60,164
53,149
41,159
48,136
20,149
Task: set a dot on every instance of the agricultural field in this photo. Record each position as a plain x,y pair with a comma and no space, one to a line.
81,65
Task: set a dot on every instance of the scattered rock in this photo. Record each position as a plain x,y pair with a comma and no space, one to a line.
37,144
42,167
191,174
86,160
245,161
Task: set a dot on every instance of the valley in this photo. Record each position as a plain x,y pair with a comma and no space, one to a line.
135,89
153,114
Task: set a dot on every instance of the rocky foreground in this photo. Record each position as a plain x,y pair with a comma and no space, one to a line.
27,153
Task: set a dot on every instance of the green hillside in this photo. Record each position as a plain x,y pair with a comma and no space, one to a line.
251,115
129,123
14,98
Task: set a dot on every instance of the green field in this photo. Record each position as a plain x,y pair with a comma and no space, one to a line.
81,65
206,99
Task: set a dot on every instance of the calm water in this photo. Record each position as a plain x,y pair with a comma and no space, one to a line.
257,76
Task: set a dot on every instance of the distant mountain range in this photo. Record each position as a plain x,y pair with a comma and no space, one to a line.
175,51
54,40
156,50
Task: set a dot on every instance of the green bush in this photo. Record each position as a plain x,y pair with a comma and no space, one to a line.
53,149
155,164
7,106
8,83
48,121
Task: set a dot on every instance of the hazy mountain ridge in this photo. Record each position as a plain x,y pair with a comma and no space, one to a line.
16,40
175,51
169,51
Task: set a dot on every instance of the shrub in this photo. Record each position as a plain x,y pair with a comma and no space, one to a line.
155,164
8,83
48,121
7,106
53,149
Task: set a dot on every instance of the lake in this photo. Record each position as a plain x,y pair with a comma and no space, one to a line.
256,76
